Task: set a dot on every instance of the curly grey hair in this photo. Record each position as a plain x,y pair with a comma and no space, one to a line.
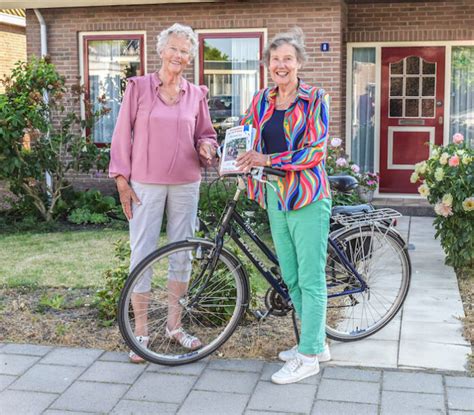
178,30
294,37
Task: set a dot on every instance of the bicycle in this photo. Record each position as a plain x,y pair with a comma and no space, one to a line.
368,274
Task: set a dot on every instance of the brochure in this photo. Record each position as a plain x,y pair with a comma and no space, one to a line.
237,141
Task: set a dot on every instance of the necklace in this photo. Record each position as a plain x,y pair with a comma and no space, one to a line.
171,98
285,103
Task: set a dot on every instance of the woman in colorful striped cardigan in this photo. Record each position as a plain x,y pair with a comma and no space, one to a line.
291,122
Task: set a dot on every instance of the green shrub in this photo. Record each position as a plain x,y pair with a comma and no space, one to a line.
447,181
106,299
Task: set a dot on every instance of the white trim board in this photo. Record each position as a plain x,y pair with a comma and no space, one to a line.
393,129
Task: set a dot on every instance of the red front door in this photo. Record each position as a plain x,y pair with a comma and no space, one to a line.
411,114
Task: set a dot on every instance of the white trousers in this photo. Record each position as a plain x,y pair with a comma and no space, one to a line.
181,202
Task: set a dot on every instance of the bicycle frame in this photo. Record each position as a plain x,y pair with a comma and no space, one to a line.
225,226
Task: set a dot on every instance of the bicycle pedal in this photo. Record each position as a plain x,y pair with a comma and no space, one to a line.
259,315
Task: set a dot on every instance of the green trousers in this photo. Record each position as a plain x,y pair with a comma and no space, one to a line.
300,237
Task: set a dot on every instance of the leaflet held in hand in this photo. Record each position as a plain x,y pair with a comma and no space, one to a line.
237,141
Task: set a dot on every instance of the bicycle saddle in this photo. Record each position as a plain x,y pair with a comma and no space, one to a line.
342,183
351,210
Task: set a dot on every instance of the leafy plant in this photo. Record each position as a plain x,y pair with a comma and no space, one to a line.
447,181
39,137
106,299
54,302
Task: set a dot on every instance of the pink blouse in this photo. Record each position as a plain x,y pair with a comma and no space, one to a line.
158,143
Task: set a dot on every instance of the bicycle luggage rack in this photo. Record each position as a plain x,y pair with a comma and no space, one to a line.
376,215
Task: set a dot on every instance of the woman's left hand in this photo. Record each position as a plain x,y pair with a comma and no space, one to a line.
207,152
251,159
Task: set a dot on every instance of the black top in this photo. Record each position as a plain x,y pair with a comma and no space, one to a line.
273,134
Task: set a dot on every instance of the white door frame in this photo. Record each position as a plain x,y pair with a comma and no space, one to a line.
378,56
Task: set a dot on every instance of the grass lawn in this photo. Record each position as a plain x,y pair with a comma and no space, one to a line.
67,258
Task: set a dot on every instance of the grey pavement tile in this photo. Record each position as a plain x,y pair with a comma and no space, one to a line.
227,381
390,332
6,380
460,381
352,374
213,403
28,349
47,378
90,397
115,357
114,372
271,367
340,408
413,382
161,387
256,412
348,391
62,412
293,398
431,332
235,364
21,402
367,352
12,364
128,407
460,398
439,356
454,412
194,369
397,403
68,356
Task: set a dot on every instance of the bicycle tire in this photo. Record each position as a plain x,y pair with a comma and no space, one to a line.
365,246
211,318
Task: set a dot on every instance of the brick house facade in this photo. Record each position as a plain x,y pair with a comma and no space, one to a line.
12,39
383,127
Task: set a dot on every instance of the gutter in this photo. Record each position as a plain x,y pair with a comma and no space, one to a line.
44,52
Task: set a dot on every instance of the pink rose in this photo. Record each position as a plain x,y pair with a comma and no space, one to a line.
336,142
458,138
341,162
454,161
355,168
443,210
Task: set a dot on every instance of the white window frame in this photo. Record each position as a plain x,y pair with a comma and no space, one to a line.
98,33
225,31
378,78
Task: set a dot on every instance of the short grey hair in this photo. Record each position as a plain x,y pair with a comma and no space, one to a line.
294,37
177,29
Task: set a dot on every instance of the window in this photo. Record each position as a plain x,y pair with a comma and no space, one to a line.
462,93
363,108
230,66
108,60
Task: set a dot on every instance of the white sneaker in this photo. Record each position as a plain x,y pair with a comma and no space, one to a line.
286,355
296,369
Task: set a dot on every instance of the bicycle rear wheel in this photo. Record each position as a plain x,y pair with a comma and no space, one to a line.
379,255
208,307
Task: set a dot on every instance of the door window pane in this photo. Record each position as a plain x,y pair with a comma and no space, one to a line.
411,108
412,88
231,71
109,63
396,68
396,86
428,89
413,65
427,108
462,93
396,107
429,68
363,107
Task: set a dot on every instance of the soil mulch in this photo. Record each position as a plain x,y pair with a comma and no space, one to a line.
73,321
466,288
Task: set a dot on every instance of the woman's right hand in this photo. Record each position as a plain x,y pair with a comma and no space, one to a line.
127,196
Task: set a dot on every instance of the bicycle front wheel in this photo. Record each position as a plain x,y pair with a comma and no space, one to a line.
186,285
379,255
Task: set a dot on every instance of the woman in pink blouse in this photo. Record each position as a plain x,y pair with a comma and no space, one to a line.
162,137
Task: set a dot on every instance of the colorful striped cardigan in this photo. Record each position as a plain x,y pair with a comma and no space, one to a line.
306,131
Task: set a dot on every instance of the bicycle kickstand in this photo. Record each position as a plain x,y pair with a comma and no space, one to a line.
295,327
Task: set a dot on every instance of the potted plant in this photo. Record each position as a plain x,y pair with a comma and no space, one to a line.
368,183
447,181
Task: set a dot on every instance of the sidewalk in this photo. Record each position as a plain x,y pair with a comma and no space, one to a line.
416,365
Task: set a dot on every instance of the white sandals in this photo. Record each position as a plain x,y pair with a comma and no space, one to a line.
134,358
185,340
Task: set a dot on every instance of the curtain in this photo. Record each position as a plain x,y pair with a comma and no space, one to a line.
462,93
363,108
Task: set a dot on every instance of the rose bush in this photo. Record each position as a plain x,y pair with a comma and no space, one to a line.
447,181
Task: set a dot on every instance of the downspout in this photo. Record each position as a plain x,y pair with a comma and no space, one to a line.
44,52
